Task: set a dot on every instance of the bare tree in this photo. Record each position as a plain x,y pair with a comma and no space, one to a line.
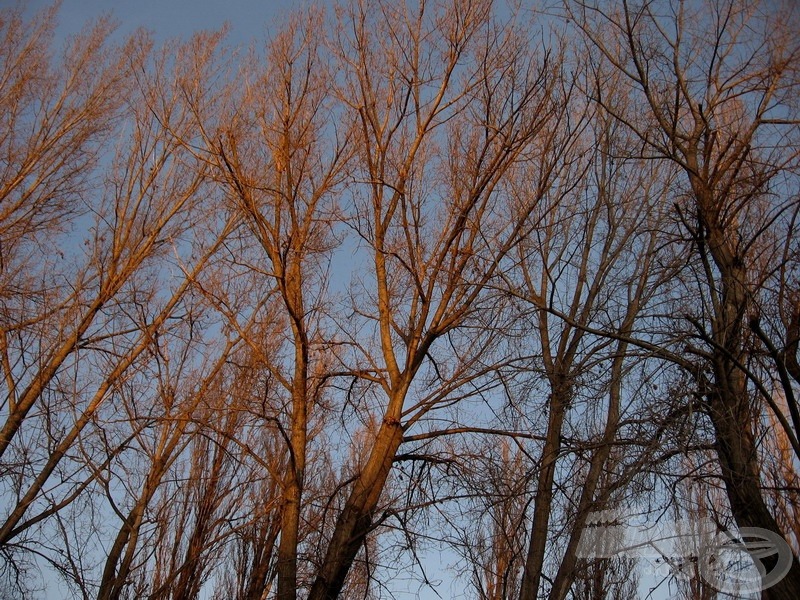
444,102
283,164
717,83
82,320
410,275
52,126
586,273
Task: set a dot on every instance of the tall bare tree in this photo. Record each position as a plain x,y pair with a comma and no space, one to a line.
283,162
444,101
269,318
716,84
79,324
585,272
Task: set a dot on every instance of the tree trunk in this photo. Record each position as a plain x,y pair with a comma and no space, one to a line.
729,403
355,521
534,562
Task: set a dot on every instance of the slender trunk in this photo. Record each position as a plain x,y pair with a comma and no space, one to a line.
292,493
534,562
114,580
258,584
117,569
565,575
295,474
193,567
287,547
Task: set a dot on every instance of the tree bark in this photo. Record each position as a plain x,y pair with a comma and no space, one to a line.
355,521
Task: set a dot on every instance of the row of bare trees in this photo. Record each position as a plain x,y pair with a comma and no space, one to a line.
409,279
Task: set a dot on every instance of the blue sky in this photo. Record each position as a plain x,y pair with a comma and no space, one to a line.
248,19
